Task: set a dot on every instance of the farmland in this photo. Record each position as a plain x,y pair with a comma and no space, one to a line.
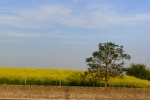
55,77
36,76
49,84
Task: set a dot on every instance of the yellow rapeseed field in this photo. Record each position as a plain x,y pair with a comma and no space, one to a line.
35,76
56,77
129,81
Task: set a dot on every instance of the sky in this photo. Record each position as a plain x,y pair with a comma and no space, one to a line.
63,33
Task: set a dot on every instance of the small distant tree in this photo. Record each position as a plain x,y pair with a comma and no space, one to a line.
139,71
106,62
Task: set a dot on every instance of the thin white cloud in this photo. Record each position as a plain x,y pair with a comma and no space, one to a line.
40,17
75,42
5,41
21,34
46,15
59,36
140,17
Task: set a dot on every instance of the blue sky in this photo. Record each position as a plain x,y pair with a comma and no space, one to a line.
62,33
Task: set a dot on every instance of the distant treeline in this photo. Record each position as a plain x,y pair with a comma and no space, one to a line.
139,71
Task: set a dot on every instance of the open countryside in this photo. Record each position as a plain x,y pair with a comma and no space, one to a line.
74,49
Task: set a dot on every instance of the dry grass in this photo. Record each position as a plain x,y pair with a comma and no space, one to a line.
76,93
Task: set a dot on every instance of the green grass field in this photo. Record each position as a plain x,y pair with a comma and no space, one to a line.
56,77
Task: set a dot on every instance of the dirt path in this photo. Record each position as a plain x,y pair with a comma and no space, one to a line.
31,99
10,92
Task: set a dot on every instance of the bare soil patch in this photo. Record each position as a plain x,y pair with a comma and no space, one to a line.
13,92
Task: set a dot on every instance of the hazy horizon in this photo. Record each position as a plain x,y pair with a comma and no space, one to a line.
63,33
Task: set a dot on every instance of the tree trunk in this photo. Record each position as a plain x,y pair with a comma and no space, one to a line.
105,83
106,75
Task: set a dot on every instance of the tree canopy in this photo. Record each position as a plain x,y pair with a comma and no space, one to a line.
139,71
107,62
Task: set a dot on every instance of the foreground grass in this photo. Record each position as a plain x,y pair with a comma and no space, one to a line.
55,77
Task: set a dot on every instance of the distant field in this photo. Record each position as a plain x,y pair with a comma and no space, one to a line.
73,93
38,76
55,77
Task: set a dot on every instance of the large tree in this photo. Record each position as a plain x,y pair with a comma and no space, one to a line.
107,62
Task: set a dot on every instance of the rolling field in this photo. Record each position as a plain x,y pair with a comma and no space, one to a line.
55,77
